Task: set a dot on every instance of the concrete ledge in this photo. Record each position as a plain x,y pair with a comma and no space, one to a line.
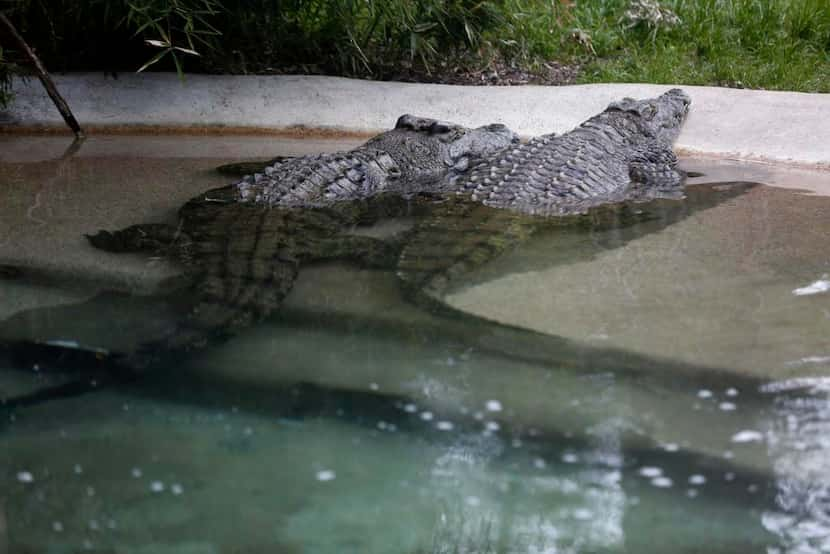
761,125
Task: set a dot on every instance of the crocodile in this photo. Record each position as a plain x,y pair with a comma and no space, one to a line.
242,245
622,154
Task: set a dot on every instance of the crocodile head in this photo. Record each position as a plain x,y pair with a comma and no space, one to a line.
428,149
660,117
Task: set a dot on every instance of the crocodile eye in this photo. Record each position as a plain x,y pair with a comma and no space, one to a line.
439,128
648,111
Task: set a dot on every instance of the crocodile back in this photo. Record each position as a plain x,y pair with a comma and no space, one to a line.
418,155
322,179
551,175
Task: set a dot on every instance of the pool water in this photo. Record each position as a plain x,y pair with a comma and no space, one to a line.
639,389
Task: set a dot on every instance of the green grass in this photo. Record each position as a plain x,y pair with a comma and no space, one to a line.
771,44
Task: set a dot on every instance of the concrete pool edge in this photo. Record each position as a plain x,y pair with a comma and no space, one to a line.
767,126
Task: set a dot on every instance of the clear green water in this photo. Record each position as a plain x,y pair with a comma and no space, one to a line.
355,422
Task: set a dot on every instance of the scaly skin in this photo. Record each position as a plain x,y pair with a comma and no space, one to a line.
418,155
624,153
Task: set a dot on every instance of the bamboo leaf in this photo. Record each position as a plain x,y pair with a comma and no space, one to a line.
186,51
154,23
153,60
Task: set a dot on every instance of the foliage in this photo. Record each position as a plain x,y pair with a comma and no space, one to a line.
779,44
91,34
776,44
353,37
173,21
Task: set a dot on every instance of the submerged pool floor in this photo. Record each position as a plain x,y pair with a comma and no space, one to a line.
355,422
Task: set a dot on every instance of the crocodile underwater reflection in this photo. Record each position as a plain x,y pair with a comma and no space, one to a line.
242,246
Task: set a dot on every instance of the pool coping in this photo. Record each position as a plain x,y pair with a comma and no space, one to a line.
754,125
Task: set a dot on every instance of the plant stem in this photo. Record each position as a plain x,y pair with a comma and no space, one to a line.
56,97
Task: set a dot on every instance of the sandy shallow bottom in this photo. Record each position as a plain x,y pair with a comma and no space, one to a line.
402,437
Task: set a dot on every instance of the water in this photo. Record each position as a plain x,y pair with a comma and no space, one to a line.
355,422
